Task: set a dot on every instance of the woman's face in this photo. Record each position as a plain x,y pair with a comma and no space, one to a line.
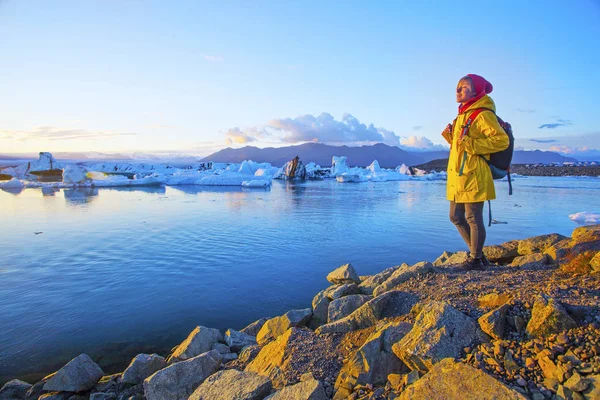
464,91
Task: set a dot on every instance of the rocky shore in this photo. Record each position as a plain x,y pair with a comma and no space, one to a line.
582,169
527,327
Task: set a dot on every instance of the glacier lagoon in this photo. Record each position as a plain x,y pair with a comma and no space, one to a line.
119,271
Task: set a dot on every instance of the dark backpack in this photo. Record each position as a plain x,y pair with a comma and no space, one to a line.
499,162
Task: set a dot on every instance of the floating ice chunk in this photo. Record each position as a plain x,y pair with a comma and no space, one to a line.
338,165
14,183
256,184
74,174
403,169
585,217
374,167
347,177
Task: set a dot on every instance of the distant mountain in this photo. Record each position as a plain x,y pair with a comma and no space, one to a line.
539,157
387,156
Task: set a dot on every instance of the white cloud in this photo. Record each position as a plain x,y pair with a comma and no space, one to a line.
419,143
323,128
236,136
54,133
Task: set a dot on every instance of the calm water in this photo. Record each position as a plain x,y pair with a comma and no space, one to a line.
88,271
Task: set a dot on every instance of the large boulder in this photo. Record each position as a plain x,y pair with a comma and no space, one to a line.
451,380
493,322
369,284
141,367
538,244
275,327
344,274
320,309
402,274
585,234
80,374
295,352
343,290
238,340
502,253
493,300
15,389
531,260
340,308
593,389
440,331
254,327
579,257
199,341
233,385
391,304
310,389
595,262
547,317
448,259
374,360
178,381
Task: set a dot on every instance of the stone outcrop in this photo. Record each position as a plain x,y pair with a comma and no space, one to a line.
343,290
448,259
254,327
577,255
440,331
373,361
178,381
141,367
78,375
493,322
295,352
275,327
531,260
451,380
233,384
538,244
340,308
310,389
199,341
493,300
320,308
238,340
402,274
503,253
344,274
369,283
14,389
391,304
547,317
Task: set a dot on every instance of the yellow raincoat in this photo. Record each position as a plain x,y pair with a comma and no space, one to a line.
485,136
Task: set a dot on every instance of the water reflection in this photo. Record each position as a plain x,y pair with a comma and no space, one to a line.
145,189
49,191
197,189
15,190
80,195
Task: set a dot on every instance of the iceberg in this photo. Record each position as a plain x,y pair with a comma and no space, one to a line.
14,183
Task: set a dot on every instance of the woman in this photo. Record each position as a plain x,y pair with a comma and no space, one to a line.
470,181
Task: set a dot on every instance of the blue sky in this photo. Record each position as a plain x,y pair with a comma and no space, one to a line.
194,77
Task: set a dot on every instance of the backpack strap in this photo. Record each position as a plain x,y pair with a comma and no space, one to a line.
490,212
509,182
465,131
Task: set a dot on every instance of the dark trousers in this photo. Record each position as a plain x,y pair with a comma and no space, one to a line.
468,218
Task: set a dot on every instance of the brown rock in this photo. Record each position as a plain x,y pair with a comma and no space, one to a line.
344,274
493,300
503,253
275,327
449,380
440,331
538,244
547,317
576,383
530,260
494,321
593,389
402,274
588,233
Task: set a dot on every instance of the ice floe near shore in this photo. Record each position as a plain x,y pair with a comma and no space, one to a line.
585,217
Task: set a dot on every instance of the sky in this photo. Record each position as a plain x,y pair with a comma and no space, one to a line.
193,77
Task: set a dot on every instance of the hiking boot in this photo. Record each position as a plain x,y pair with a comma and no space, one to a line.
473,264
485,261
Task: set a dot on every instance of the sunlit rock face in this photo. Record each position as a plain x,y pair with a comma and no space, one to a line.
294,170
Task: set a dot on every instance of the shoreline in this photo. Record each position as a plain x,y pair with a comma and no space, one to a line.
332,338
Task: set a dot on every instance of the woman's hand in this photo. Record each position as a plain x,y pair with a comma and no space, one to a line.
447,133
